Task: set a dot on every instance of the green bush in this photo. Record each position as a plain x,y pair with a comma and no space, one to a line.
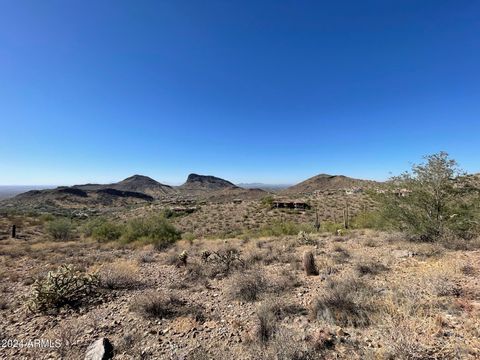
267,201
433,201
66,286
46,217
154,230
103,230
370,220
331,227
60,229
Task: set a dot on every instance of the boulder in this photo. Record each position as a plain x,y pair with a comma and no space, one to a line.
101,349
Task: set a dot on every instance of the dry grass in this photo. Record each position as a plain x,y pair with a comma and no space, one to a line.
160,305
120,275
345,302
247,286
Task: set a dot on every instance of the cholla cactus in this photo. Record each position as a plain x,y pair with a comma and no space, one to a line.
305,239
205,255
182,258
66,286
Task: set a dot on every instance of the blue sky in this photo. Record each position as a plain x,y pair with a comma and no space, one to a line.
270,91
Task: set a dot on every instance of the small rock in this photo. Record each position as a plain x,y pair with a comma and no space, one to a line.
100,349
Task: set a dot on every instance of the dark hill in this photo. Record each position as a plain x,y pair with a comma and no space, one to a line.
206,183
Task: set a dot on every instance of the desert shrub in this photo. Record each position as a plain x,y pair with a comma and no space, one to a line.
146,257
340,254
309,263
284,345
370,220
344,303
266,323
119,275
268,315
103,230
157,305
60,229
223,261
305,239
3,304
196,272
468,270
43,218
154,230
280,228
247,286
189,237
443,286
286,280
370,268
66,286
162,305
267,201
331,227
433,200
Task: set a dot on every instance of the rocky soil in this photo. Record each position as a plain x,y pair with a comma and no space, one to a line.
420,300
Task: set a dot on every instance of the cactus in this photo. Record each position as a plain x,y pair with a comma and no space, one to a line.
182,258
309,263
205,255
66,286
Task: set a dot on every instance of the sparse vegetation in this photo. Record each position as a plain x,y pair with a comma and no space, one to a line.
66,286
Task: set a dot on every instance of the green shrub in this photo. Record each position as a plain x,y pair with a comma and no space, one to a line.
370,220
433,201
154,230
60,229
331,227
66,286
46,217
267,201
103,230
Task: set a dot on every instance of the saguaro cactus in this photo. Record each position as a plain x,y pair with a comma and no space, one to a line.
14,231
345,216
317,222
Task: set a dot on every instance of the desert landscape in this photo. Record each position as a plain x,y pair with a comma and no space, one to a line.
239,180
209,270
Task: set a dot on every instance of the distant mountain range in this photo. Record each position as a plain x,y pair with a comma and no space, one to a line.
267,187
140,189
8,191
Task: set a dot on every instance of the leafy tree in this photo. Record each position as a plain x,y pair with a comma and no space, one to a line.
433,200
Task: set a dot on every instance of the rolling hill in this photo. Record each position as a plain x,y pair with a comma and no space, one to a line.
325,182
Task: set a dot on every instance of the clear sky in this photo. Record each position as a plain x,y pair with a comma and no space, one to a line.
271,91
